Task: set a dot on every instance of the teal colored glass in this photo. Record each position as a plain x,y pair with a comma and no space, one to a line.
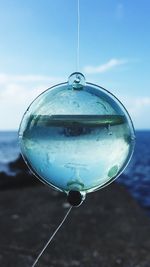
76,136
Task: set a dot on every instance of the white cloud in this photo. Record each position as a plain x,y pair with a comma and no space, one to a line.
112,63
139,104
16,94
139,109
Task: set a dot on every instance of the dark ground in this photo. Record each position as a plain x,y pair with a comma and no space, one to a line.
108,230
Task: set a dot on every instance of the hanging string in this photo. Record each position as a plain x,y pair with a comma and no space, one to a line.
51,238
78,33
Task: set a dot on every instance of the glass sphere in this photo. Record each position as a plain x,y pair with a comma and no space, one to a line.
76,136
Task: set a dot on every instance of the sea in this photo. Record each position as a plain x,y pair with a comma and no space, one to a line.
9,149
136,177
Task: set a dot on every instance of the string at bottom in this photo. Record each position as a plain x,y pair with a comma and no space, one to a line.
51,238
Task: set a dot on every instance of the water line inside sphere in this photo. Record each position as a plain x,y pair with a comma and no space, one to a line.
76,152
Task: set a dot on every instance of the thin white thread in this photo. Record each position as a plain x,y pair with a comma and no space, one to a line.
78,34
55,232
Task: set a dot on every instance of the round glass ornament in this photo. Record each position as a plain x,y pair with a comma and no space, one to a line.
76,136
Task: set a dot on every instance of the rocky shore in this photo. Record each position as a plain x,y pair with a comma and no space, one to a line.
108,230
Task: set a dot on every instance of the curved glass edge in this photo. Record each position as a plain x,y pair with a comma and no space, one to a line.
90,190
119,102
38,176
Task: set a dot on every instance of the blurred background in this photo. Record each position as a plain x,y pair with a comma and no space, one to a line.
38,49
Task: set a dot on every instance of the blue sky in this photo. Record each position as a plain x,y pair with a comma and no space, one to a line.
38,42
